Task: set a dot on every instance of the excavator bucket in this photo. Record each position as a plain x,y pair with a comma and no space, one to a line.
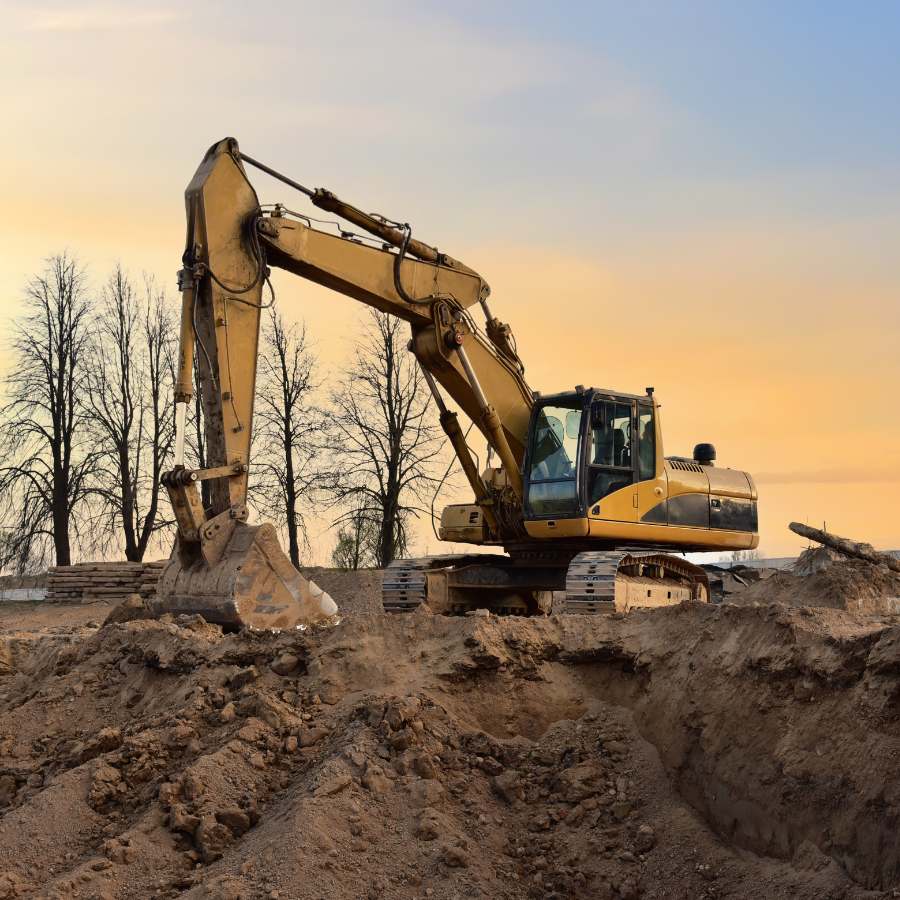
253,585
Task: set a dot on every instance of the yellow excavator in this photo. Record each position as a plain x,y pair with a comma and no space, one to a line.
582,500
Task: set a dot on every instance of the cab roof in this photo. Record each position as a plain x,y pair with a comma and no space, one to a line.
589,394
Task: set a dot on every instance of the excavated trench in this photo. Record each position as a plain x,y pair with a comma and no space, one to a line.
778,727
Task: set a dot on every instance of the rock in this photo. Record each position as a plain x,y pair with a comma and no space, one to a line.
400,712
426,793
212,837
106,786
621,810
429,826
334,785
579,782
106,740
181,820
357,757
645,840
234,819
285,664
373,713
227,713
424,766
8,789
506,785
375,780
119,851
168,793
254,731
310,736
191,786
180,737
330,694
402,740
490,765
454,856
243,677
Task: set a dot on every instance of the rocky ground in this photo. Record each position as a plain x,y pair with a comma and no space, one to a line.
733,751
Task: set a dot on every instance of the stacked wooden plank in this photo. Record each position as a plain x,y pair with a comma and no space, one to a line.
150,576
112,581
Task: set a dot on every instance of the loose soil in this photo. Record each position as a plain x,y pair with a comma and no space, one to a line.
732,751
850,584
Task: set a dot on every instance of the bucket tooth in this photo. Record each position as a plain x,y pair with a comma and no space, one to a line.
254,585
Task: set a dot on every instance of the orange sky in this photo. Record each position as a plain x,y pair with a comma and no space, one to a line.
644,244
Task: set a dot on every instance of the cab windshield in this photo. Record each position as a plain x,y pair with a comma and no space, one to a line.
554,454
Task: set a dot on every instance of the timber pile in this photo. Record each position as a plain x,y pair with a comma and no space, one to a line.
112,581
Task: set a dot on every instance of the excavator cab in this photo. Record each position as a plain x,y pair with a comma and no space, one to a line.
585,446
594,469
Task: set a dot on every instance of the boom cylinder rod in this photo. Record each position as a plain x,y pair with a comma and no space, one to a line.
493,426
283,178
184,386
324,199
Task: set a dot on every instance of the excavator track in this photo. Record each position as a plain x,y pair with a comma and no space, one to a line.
455,584
404,586
599,582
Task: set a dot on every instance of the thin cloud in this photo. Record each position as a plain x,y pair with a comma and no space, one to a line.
830,476
97,18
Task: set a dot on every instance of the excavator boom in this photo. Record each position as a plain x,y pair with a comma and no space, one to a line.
235,573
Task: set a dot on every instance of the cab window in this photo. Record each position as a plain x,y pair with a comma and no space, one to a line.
612,448
646,443
553,472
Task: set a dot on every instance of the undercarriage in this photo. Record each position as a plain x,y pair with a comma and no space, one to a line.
590,582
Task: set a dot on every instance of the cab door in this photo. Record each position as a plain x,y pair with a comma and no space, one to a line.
652,481
611,483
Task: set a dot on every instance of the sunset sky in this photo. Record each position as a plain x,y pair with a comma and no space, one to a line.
703,197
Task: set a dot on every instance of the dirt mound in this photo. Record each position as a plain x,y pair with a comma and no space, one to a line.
688,752
354,592
851,584
815,559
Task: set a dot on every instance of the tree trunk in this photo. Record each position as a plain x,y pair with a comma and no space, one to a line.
61,529
291,504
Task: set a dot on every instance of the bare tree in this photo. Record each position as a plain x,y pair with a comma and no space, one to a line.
286,430
357,542
741,555
47,458
384,439
130,401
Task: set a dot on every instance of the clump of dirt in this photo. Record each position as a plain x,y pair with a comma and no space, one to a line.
851,584
698,751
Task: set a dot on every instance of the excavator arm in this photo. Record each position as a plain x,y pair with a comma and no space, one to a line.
231,242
